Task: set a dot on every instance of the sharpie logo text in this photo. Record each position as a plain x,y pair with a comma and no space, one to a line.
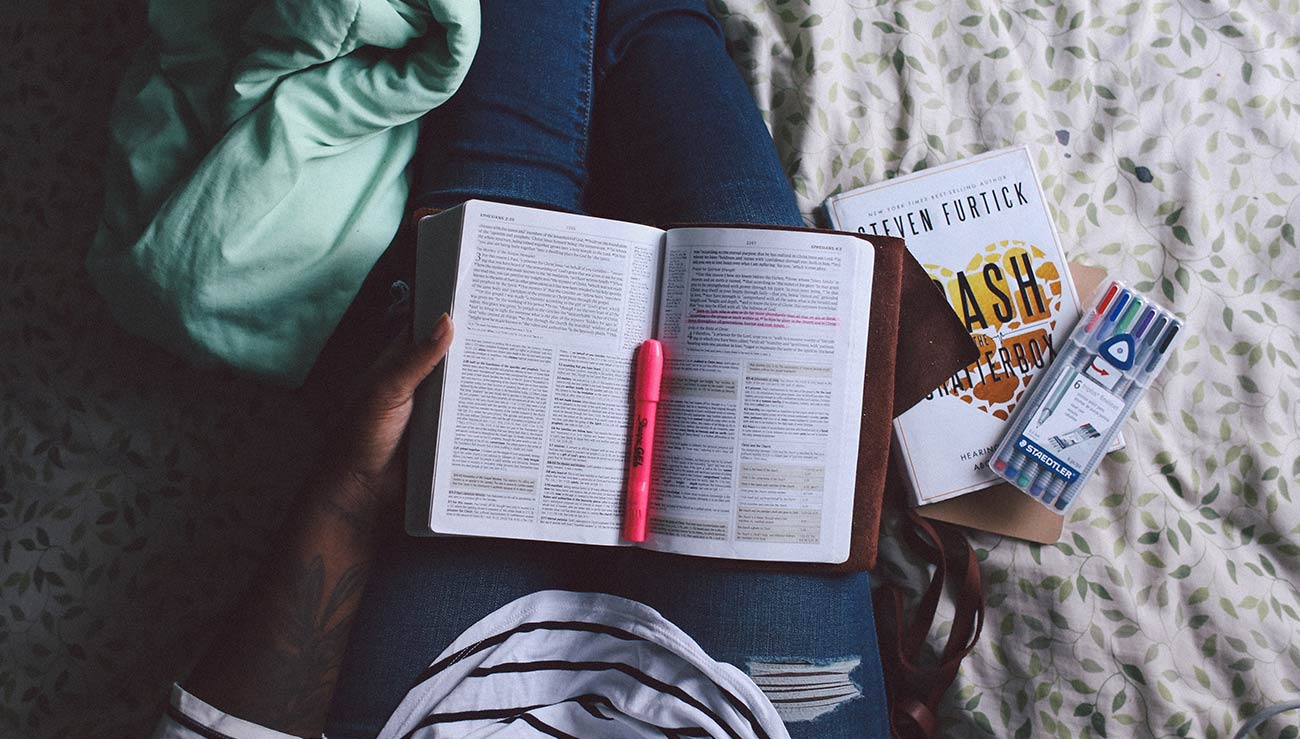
638,446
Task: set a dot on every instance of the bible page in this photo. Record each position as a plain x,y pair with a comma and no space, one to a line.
765,334
549,309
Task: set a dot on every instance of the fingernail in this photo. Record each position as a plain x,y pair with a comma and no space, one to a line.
440,329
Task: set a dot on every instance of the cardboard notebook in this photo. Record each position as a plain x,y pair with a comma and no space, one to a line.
786,366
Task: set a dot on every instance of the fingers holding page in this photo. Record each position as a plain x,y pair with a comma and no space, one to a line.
405,364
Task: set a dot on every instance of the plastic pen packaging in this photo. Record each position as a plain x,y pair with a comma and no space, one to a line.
1059,434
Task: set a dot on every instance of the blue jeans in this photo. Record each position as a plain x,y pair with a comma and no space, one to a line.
814,629
629,109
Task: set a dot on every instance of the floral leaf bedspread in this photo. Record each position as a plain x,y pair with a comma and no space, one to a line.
135,494
1167,136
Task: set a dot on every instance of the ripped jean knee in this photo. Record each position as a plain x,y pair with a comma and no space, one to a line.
805,689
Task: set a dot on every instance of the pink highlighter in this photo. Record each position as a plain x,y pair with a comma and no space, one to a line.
649,373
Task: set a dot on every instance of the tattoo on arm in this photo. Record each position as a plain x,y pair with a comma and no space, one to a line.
279,659
308,632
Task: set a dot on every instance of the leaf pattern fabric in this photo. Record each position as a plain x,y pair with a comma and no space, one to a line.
1167,137
136,494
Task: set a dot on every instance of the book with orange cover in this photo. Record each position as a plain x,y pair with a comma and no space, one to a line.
982,231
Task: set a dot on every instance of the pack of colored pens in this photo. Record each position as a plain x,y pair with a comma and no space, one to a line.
1059,434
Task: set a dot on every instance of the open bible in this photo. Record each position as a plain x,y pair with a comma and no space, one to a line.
523,431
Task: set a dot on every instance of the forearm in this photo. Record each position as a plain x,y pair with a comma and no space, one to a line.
277,661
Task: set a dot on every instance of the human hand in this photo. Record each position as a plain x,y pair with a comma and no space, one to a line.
364,476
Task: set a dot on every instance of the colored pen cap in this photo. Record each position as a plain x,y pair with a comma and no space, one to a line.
1099,309
1166,342
649,370
1130,315
1151,339
1117,309
1143,322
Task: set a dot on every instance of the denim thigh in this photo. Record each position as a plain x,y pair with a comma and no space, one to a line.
518,127
422,594
628,109
676,137
807,640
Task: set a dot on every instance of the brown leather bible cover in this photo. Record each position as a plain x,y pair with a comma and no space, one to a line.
916,342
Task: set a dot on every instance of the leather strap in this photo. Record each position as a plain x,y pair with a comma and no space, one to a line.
915,683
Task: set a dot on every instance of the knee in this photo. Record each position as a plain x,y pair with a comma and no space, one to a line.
620,23
802,688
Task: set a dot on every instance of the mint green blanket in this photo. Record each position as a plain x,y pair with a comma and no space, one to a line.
257,167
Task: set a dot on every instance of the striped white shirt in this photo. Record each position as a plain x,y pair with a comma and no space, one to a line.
553,664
